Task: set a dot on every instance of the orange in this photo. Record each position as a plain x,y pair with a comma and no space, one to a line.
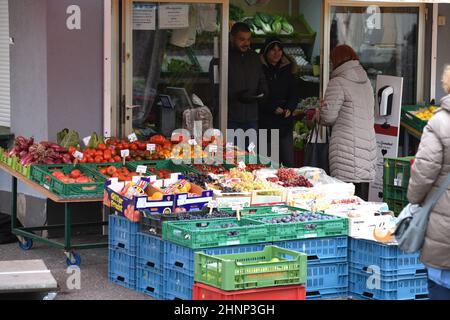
157,196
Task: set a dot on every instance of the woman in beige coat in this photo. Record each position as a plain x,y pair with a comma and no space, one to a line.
430,168
348,107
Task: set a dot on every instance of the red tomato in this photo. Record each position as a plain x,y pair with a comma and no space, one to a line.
117,159
98,159
101,146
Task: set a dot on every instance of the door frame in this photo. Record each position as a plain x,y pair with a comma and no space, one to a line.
325,50
117,72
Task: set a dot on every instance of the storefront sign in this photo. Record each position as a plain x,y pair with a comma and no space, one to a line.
173,16
387,130
144,16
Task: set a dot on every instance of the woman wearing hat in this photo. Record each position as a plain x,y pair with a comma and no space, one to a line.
276,111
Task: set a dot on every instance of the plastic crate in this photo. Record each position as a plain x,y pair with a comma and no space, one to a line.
200,234
150,254
396,174
122,269
150,283
205,292
42,174
327,277
160,164
182,258
320,250
206,169
302,230
153,224
273,266
388,258
23,170
396,206
177,285
410,119
390,288
328,294
123,234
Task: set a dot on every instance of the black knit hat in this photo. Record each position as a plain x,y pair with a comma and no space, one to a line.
270,43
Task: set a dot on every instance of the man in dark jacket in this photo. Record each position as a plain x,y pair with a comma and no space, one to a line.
246,81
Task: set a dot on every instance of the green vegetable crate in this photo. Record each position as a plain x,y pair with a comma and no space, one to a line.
273,266
23,170
200,234
396,174
42,174
264,210
410,119
158,165
303,230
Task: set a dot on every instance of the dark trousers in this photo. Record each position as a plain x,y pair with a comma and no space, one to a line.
244,126
362,190
437,292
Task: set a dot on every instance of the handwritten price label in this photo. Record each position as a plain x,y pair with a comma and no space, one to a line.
213,148
125,153
151,147
86,140
78,155
132,137
141,169
192,142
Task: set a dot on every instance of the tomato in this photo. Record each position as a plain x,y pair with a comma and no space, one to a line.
84,160
113,153
72,150
119,146
101,146
125,146
90,159
117,159
99,153
134,147
75,174
107,155
98,159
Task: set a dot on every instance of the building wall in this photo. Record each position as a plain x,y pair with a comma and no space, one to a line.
443,49
312,10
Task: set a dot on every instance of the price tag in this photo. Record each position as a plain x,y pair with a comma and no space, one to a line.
151,147
217,132
132,137
192,142
241,165
229,145
212,204
237,206
78,155
125,153
182,200
141,169
86,140
251,147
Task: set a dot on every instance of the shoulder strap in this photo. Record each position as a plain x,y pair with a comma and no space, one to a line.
435,197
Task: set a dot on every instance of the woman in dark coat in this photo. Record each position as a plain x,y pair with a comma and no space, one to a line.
276,111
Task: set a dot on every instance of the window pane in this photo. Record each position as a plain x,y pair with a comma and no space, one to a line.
385,40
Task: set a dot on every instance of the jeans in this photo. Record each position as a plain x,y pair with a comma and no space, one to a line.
437,292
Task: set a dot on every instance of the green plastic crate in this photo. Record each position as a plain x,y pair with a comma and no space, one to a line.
410,119
42,174
264,210
193,169
273,266
160,164
23,170
200,234
396,206
304,230
396,175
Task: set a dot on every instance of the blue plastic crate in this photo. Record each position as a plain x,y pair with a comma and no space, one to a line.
365,253
327,276
150,283
181,258
178,285
390,288
122,268
320,250
123,234
328,294
150,252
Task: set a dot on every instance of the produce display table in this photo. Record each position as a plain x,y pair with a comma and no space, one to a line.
26,235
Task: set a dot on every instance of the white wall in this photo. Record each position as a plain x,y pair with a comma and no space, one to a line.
311,9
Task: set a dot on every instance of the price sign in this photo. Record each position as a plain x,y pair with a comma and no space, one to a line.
125,153
78,155
192,142
151,147
212,204
141,169
237,206
212,148
86,140
132,137
251,147
242,165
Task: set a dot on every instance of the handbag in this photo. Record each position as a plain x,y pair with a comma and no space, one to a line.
412,222
316,152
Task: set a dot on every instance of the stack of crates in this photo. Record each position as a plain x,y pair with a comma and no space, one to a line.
272,273
179,267
328,273
396,174
384,272
122,251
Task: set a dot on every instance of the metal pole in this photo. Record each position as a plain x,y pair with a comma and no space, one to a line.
14,203
67,226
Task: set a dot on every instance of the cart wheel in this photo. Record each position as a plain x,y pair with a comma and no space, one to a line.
73,259
26,244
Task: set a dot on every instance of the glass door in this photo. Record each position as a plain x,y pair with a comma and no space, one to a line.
171,63
388,39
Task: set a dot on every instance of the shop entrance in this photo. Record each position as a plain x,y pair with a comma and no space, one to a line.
171,63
